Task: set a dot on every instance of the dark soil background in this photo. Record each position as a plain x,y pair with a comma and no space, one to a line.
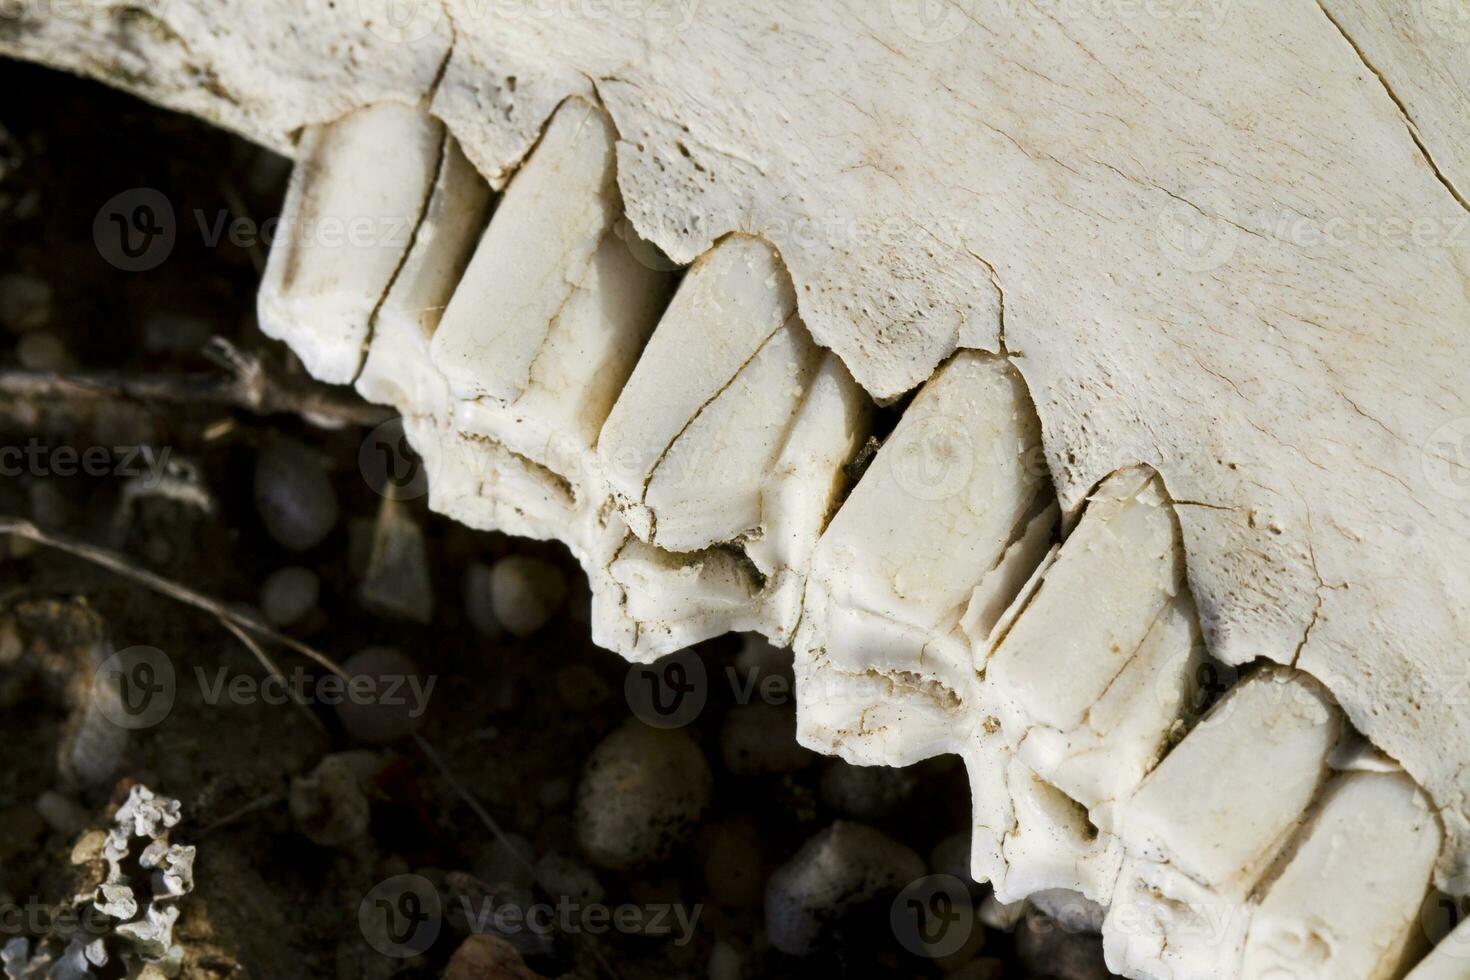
513,720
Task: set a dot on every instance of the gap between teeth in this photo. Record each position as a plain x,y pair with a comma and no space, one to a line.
689,446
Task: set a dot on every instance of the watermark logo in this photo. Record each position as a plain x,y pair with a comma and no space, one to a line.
932,21
1196,231
1442,915
933,457
135,687
390,465
401,21
934,916
1445,459
668,693
401,916
135,230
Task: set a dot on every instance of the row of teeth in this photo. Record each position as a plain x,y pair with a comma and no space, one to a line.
692,447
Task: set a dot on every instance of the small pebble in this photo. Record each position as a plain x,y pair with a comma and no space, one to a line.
642,794
25,302
482,957
479,607
563,877
392,705
735,867
61,813
724,962
296,500
761,738
329,803
396,581
288,594
475,906
866,792
1072,910
42,352
525,593
1047,948
842,867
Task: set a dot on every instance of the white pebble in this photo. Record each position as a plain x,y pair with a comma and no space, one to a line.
525,593
641,796
288,594
839,869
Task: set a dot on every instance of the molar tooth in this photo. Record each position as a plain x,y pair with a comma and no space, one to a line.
398,370
355,198
931,523
1203,828
703,414
551,221
1091,676
1373,838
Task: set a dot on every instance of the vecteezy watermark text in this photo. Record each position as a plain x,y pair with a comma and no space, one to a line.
36,458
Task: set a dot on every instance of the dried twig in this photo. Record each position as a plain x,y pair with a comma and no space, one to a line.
265,661
248,385
494,827
114,562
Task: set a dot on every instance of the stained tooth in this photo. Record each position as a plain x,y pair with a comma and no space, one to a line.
1205,825
1091,676
1372,838
356,195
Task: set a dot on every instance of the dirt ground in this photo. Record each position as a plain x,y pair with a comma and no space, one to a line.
513,721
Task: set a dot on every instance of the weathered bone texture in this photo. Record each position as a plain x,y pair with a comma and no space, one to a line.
1226,242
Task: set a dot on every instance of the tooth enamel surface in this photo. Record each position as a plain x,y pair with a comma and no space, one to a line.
1205,825
953,512
1166,264
1093,673
398,370
1372,837
348,222
702,418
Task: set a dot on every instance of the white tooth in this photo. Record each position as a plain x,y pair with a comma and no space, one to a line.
1091,676
1204,826
398,370
727,343
355,198
929,535
725,451
1373,838
534,256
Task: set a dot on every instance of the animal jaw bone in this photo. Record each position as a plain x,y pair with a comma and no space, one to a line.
1126,337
